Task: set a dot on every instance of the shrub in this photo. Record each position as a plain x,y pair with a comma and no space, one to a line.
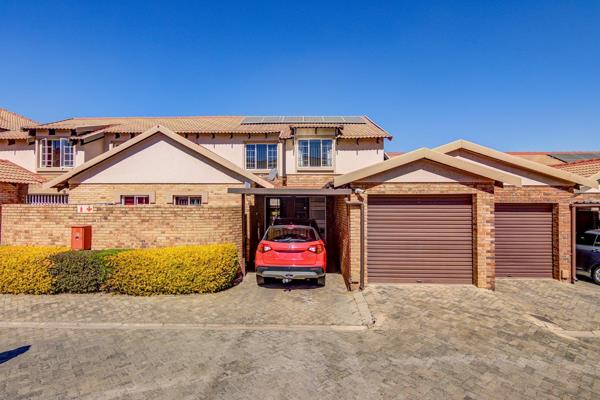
24,269
173,270
80,271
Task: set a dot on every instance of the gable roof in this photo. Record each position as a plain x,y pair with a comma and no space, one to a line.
12,173
366,128
431,155
61,180
584,167
516,161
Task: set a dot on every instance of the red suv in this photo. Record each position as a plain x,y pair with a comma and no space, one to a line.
289,252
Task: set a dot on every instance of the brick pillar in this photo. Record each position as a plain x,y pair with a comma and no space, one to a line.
484,262
562,241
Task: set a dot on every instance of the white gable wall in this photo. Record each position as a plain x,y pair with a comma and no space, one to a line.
157,159
425,171
529,178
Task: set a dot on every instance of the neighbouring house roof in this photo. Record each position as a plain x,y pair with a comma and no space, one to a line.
366,128
586,168
63,179
12,173
12,121
14,135
516,161
431,155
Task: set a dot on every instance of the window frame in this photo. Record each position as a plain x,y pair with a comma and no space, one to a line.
267,153
136,198
188,199
299,154
66,159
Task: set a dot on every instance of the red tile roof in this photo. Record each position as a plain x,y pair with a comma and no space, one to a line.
12,173
211,124
12,121
585,168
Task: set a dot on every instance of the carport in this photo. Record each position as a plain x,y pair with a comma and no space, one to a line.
585,215
265,204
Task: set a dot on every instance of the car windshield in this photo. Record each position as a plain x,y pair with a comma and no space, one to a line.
295,234
586,239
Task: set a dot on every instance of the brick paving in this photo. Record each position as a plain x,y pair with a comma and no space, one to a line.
429,342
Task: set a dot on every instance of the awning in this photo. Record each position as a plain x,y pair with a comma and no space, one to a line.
284,191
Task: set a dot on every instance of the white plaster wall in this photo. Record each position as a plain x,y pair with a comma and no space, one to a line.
529,178
425,171
19,153
92,149
351,156
157,160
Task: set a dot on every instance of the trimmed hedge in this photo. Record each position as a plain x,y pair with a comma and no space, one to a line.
174,270
24,269
80,271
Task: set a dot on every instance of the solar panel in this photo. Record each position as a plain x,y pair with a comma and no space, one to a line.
304,120
568,158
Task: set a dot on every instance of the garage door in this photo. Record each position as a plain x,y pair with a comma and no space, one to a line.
420,239
524,240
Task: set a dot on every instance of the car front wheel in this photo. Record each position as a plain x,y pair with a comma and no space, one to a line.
260,280
321,281
596,275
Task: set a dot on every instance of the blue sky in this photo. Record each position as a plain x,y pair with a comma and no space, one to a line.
515,75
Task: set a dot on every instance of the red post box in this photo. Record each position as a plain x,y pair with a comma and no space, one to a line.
81,237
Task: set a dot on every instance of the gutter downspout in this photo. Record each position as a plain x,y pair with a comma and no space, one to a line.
283,163
361,284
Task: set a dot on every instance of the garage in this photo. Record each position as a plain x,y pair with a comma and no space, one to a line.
426,239
524,240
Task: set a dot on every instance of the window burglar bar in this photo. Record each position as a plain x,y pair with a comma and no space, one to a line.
47,199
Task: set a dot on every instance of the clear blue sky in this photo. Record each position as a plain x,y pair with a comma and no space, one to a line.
515,75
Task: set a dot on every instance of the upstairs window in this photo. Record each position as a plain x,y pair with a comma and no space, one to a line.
56,153
315,153
261,156
134,200
187,200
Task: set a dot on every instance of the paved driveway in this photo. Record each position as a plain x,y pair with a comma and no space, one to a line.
430,342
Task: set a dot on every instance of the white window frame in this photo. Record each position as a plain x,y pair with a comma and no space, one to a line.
67,153
136,198
302,166
269,156
188,199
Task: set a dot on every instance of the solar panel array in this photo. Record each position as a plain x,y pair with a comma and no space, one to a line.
303,120
568,158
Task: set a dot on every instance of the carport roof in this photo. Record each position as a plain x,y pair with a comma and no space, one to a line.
290,191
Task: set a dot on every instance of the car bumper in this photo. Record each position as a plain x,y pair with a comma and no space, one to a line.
290,272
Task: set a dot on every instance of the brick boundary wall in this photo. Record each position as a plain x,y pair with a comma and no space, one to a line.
116,226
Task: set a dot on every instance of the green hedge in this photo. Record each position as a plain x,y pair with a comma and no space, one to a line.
173,270
80,271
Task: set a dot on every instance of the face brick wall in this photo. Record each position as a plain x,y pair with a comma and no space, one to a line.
217,195
122,226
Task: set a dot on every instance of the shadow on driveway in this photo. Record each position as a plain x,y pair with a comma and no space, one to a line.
10,354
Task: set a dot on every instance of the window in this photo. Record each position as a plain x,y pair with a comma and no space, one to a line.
134,200
47,199
587,239
187,200
315,153
261,156
56,153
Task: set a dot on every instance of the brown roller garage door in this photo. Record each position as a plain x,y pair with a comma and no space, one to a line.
420,239
524,240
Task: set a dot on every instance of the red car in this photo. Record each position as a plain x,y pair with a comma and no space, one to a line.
289,252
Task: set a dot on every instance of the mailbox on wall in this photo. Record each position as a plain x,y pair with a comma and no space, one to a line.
81,237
